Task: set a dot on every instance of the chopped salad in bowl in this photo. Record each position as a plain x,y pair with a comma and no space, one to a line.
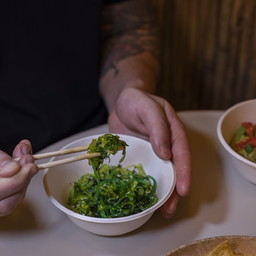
244,141
236,133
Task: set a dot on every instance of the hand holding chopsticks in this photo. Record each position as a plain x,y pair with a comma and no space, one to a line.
106,144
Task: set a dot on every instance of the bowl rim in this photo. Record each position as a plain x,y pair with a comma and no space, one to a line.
132,217
223,141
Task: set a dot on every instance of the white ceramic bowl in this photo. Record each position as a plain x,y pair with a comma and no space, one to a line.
58,180
227,126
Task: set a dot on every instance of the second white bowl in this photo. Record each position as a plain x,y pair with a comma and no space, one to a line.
227,126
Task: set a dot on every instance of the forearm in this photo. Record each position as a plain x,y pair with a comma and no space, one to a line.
131,50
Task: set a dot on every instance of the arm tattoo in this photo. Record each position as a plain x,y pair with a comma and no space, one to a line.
129,28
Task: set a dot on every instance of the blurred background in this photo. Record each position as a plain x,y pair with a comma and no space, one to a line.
209,52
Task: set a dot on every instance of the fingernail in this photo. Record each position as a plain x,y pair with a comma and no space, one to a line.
165,152
25,149
169,212
33,172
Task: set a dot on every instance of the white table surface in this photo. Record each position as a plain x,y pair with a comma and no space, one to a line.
221,202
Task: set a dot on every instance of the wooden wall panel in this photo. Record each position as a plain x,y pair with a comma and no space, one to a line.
209,52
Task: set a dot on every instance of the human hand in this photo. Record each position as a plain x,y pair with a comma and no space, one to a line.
15,176
150,117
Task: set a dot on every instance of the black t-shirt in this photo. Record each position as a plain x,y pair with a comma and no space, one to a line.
49,67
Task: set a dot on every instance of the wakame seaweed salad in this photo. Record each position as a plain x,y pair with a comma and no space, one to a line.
119,192
112,191
106,145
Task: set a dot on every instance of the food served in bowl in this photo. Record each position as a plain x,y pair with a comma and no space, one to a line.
59,180
218,246
227,127
115,192
244,141
111,191
224,248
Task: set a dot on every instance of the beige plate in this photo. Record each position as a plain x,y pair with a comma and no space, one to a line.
245,245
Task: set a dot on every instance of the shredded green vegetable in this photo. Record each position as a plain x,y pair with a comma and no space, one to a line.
119,192
106,145
112,191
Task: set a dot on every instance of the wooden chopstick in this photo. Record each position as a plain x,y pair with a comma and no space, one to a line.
67,160
63,152
60,152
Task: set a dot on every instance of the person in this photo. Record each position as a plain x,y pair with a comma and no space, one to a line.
56,80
